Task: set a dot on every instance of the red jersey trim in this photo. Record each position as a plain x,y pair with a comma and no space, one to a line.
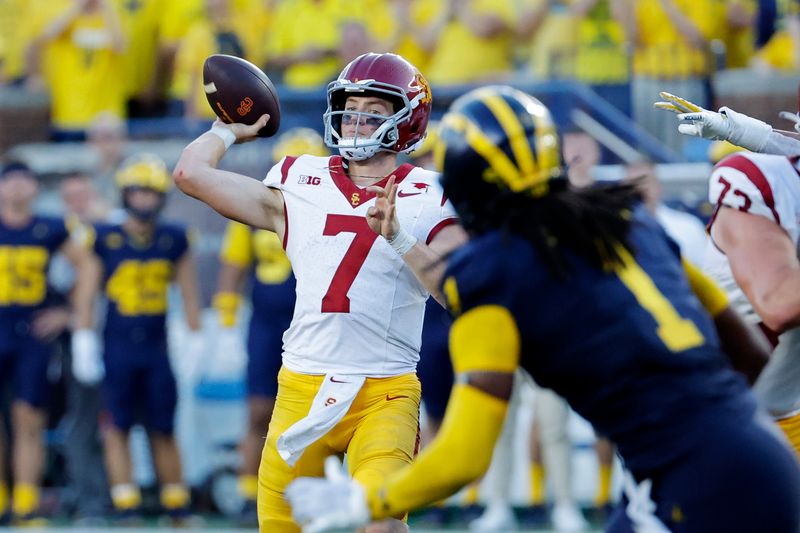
354,194
285,226
439,227
756,177
288,161
444,200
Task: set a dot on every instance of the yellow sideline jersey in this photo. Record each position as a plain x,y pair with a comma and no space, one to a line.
662,52
306,24
86,74
487,58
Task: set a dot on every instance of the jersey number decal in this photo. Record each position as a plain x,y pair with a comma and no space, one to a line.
726,187
140,287
23,274
676,332
336,300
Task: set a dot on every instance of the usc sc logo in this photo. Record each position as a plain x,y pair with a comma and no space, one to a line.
245,106
355,198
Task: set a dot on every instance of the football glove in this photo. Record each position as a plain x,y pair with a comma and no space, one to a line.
332,502
87,363
725,125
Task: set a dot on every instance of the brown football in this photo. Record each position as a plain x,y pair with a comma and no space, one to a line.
238,91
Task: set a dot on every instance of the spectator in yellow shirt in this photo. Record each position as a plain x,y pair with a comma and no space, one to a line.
582,40
87,59
304,45
782,51
418,25
476,42
219,31
140,21
739,32
670,41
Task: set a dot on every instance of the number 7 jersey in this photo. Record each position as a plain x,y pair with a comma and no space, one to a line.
359,307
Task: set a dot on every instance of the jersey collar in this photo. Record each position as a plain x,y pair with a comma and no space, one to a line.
354,194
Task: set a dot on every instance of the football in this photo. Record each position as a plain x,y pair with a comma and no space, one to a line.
238,91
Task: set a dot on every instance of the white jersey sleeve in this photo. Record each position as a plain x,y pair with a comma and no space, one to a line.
276,177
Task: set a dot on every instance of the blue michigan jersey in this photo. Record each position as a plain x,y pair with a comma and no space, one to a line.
632,351
139,383
25,254
137,276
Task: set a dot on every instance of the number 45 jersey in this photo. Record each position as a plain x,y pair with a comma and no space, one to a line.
359,307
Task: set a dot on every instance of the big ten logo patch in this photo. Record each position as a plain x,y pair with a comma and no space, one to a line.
245,106
309,180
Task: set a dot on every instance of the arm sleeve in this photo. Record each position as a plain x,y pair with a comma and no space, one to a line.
484,339
779,144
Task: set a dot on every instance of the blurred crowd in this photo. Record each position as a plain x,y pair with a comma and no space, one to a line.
144,57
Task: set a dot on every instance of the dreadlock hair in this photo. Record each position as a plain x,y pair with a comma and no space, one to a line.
589,222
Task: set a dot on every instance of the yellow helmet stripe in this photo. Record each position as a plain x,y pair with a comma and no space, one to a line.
516,132
496,158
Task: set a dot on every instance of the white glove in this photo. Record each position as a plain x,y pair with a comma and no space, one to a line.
192,355
87,364
230,357
335,502
726,125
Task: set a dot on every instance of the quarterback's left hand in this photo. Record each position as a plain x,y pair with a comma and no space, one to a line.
332,502
382,217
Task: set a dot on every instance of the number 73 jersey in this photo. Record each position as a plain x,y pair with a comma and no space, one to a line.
359,307
759,184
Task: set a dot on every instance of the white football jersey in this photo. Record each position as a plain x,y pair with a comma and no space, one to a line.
763,185
359,307
767,186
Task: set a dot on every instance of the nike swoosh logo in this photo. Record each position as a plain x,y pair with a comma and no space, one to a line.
402,194
337,381
390,398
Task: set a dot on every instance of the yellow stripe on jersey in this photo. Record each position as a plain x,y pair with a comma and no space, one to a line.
677,333
237,245
710,295
790,426
485,339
